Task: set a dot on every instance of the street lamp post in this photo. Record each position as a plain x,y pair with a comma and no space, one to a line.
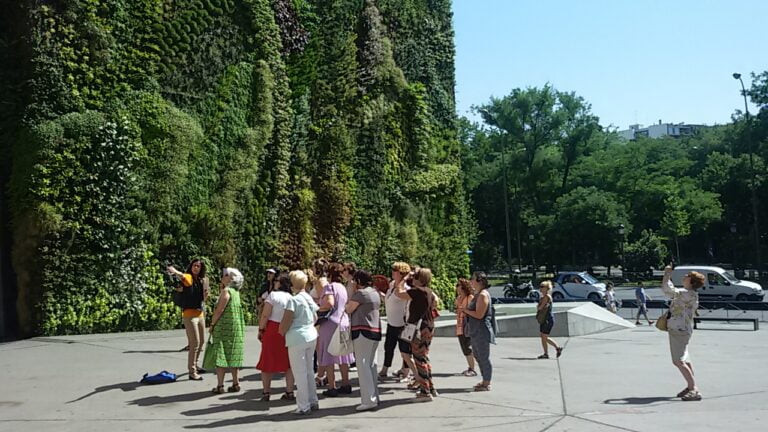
621,249
733,246
533,259
753,186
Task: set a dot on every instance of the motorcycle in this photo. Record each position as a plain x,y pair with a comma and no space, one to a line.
524,290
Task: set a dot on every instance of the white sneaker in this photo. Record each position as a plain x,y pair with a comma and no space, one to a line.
364,407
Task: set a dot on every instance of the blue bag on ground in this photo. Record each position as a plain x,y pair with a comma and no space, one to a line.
161,378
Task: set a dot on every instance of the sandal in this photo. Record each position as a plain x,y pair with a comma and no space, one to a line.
195,377
543,356
288,396
218,389
481,387
413,385
692,395
683,392
321,382
469,373
234,388
264,397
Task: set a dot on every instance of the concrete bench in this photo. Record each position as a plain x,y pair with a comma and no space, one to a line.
754,321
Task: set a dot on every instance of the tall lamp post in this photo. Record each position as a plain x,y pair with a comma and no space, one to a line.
733,246
533,259
492,120
621,249
753,185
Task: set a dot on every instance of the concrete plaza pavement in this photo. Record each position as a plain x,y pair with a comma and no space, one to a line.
618,381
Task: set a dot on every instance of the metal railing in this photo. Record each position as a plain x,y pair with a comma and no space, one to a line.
712,308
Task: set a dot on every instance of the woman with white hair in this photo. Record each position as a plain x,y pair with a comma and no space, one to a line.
298,327
227,331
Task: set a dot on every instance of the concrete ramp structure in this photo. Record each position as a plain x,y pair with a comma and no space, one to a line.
571,319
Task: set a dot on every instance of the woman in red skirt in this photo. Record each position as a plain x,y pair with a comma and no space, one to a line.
274,354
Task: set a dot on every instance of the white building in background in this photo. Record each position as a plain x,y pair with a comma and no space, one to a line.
659,130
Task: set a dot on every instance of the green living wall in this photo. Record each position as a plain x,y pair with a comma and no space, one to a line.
253,133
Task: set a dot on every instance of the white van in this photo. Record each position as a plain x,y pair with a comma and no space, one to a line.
718,283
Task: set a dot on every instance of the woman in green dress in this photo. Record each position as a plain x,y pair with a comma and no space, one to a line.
227,330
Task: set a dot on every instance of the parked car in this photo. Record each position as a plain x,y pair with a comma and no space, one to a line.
718,283
577,285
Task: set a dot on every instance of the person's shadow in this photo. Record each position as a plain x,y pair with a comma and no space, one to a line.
323,412
126,387
638,400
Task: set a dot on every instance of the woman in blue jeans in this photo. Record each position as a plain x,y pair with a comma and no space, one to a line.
479,328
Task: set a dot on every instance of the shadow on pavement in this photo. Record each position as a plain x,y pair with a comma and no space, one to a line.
160,400
283,416
126,386
151,352
638,400
521,358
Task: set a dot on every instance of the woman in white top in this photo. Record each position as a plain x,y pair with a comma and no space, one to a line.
274,353
396,309
298,327
610,297
682,309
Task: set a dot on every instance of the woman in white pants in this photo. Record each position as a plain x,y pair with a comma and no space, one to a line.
298,327
363,309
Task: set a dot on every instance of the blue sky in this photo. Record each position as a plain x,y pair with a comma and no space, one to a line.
634,61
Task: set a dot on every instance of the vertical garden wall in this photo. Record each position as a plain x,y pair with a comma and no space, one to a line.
253,133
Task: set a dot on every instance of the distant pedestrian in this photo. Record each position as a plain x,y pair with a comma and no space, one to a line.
685,302
610,298
480,328
546,319
464,296
227,332
642,308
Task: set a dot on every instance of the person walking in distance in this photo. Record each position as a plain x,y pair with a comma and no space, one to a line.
642,308
546,319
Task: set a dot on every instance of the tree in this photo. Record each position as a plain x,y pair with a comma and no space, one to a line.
647,252
675,221
579,127
584,223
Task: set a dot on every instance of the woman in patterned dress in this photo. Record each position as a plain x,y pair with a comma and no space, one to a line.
227,330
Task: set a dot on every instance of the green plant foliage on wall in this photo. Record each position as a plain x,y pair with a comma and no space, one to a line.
252,133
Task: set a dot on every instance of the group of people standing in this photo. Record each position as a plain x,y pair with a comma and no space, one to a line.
305,312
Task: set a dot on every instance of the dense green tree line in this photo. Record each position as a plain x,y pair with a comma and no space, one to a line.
250,132
571,184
